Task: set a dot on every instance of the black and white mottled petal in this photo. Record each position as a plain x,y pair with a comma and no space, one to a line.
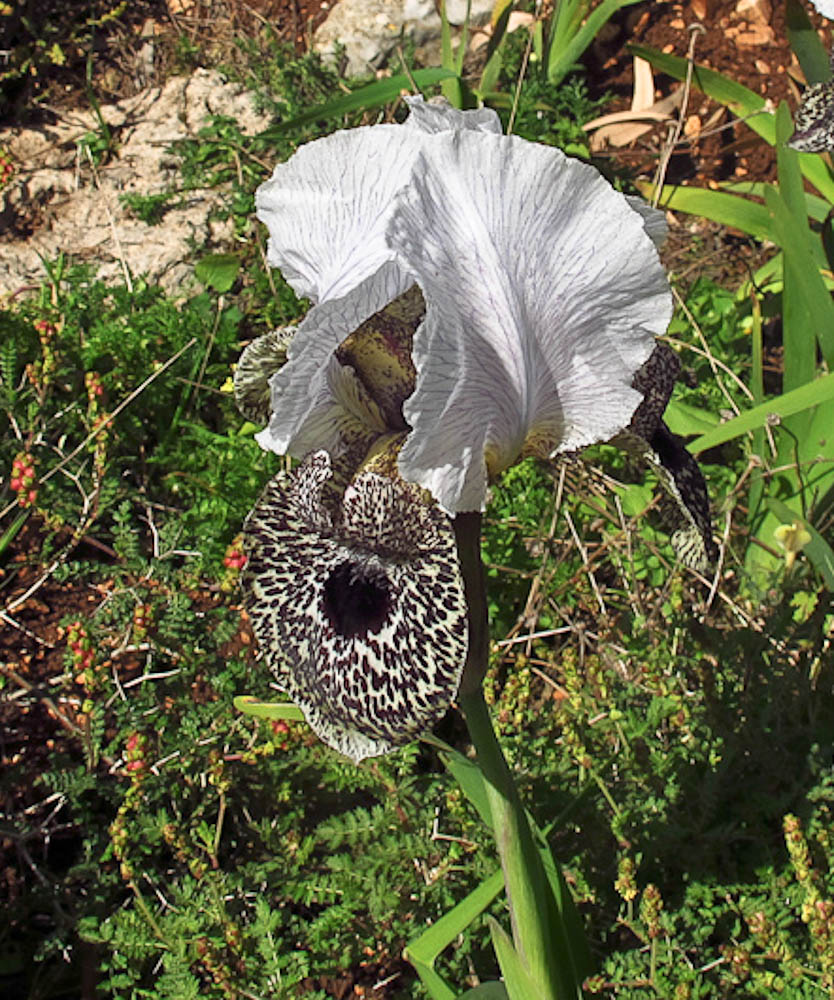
258,363
678,473
814,120
364,628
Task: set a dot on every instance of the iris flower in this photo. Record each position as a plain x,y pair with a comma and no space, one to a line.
543,291
476,298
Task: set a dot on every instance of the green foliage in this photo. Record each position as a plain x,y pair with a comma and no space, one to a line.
148,208
796,460
43,39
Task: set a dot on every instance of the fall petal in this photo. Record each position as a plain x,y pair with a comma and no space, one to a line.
258,363
357,604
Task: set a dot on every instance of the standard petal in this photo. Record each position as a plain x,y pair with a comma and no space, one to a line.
825,7
544,294
327,208
654,221
311,406
438,115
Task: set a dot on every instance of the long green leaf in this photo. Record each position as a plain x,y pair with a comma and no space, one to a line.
684,419
801,265
562,57
798,340
471,780
576,952
452,88
517,978
818,208
537,924
821,390
495,49
374,95
486,991
806,43
757,478
423,951
728,209
13,529
745,103
268,709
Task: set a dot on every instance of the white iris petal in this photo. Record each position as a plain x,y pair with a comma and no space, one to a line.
825,7
544,291
428,116
302,399
327,208
544,294
654,221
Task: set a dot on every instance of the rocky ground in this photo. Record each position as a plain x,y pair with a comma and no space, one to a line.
60,199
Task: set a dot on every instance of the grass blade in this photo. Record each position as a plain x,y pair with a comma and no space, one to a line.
486,991
374,95
802,271
519,982
806,43
821,390
561,58
747,104
268,709
423,951
720,206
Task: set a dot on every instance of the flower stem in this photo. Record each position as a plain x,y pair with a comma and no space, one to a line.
539,933
527,885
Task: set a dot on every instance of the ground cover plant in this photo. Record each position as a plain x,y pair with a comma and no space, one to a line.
670,733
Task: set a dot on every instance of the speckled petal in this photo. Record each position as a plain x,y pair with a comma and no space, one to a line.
687,508
814,120
258,363
357,606
544,294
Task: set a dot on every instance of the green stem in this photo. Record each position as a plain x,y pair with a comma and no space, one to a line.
527,886
535,914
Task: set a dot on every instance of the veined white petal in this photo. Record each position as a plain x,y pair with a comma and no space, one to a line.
311,406
437,115
327,207
825,7
654,221
544,294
